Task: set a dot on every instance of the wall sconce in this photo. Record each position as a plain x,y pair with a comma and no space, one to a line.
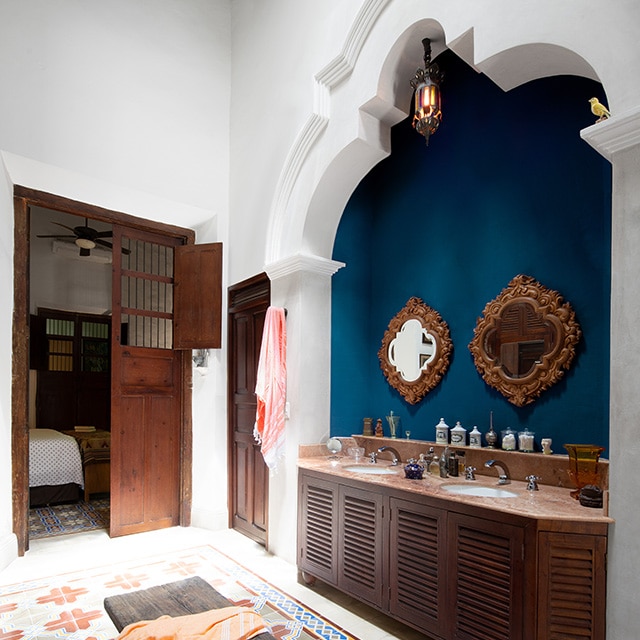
200,359
427,99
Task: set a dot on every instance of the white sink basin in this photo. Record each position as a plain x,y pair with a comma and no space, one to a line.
479,491
372,469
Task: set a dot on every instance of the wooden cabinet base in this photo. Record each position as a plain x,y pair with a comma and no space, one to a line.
97,478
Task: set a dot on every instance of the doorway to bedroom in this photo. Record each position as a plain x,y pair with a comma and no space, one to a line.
70,296
165,300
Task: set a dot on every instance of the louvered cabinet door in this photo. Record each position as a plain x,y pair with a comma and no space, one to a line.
417,588
360,552
572,586
318,528
485,581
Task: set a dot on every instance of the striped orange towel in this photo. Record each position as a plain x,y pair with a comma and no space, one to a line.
237,623
271,387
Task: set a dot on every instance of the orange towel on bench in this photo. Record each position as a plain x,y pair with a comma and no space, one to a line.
228,623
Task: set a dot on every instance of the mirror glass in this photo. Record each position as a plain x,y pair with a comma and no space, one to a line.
525,340
411,351
520,340
415,350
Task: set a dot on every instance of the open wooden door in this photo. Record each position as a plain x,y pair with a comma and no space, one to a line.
248,473
151,427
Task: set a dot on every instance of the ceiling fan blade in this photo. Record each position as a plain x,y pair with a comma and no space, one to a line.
104,234
55,236
64,226
103,243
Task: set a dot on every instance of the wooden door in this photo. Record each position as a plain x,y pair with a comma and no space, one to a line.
248,474
146,385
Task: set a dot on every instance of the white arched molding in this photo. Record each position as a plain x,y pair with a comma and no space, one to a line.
302,263
325,80
615,134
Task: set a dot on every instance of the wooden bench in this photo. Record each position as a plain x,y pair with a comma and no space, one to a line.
193,595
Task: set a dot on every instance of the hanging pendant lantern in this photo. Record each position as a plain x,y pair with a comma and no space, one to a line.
427,98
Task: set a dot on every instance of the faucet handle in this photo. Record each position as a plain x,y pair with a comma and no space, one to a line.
532,482
470,473
373,457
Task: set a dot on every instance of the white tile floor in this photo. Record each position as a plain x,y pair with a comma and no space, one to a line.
63,554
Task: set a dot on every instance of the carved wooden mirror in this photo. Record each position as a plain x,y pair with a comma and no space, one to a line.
415,350
525,340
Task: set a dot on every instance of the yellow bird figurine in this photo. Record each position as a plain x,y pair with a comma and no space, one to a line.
598,109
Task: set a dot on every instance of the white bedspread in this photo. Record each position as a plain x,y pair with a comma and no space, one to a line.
54,459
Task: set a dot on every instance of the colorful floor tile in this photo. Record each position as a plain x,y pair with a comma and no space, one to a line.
70,606
62,519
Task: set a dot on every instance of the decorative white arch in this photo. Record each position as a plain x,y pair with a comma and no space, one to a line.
367,86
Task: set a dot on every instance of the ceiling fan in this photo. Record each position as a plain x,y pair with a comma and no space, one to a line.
86,238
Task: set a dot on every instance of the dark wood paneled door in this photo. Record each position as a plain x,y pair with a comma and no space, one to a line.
146,385
248,474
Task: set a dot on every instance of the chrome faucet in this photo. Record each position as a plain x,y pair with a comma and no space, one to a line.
394,453
503,472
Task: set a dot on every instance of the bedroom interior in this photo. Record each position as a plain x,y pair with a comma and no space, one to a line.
69,379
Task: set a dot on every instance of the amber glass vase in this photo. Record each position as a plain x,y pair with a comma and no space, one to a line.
583,465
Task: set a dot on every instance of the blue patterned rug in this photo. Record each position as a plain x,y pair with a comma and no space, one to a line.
71,605
62,519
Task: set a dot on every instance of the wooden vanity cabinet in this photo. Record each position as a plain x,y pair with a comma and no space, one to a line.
453,572
341,538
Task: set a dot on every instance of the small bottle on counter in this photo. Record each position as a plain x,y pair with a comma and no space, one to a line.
475,438
442,432
459,435
434,467
453,465
462,461
444,463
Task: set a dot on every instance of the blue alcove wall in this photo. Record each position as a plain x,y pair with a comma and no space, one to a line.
506,186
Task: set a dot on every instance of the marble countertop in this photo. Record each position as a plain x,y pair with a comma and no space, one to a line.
549,503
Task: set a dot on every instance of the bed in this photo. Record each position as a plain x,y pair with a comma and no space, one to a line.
55,467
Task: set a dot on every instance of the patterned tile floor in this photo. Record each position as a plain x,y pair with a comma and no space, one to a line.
84,556
63,519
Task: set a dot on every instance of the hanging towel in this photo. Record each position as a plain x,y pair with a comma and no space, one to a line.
271,387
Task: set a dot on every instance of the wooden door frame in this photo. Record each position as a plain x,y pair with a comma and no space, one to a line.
24,198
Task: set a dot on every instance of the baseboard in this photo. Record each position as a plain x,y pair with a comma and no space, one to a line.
8,550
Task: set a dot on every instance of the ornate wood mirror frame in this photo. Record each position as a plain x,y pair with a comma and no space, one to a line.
415,351
525,340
